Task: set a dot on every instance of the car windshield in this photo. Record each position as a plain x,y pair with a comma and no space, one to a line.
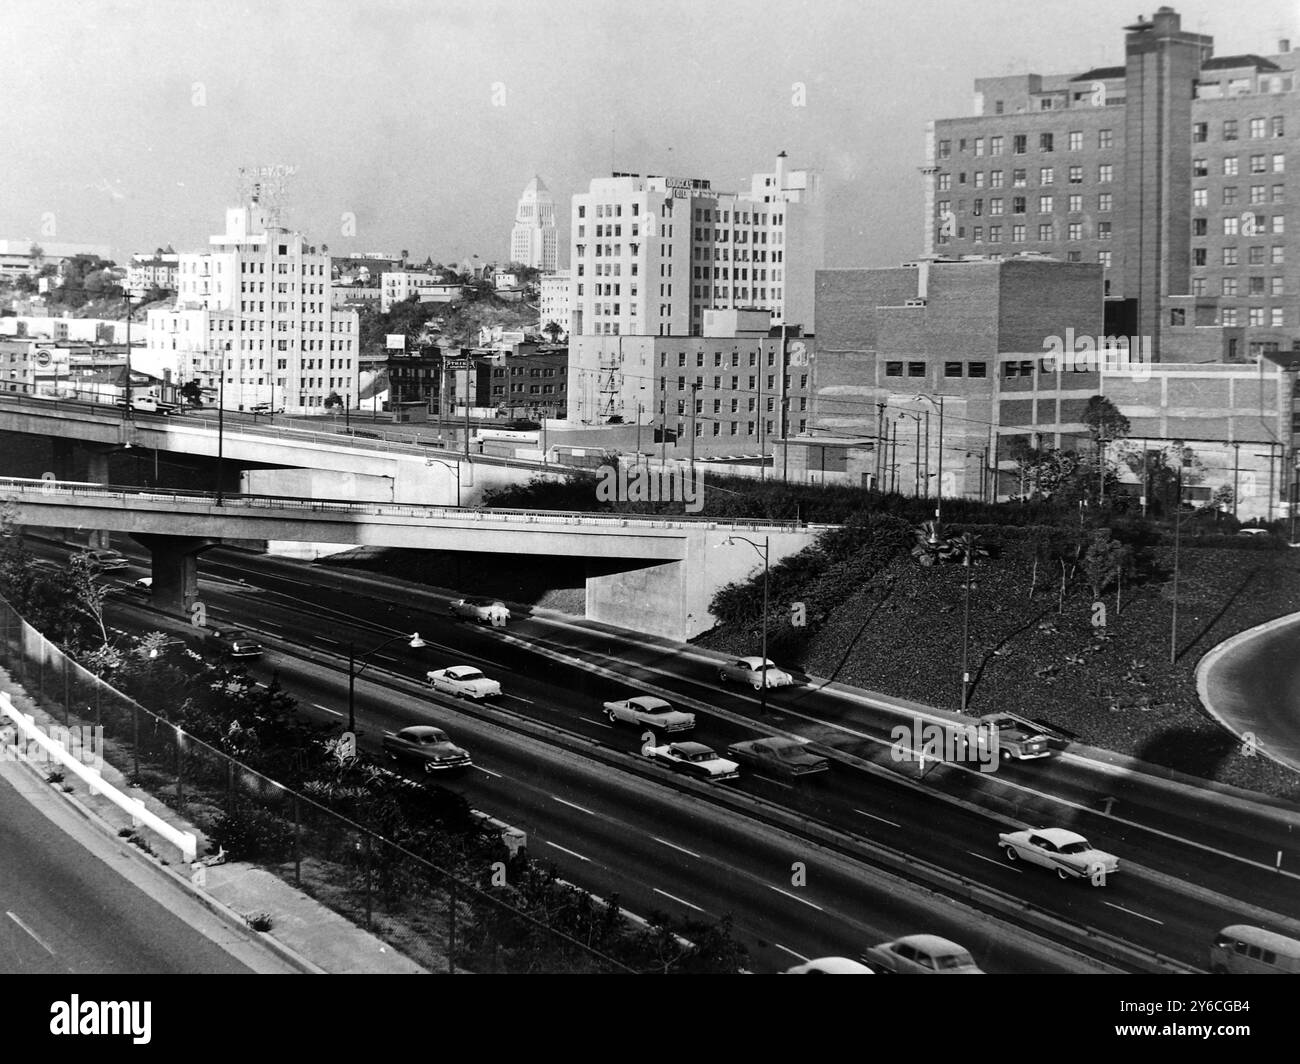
701,755
954,960
1076,847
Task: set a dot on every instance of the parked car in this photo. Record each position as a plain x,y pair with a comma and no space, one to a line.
235,643
427,748
830,966
1068,852
103,561
651,712
1017,737
922,955
463,681
784,757
694,759
481,611
757,672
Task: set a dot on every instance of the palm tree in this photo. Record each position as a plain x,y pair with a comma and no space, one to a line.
931,544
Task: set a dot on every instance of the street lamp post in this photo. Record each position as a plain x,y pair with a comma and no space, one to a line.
454,468
414,641
221,429
965,633
1178,524
917,463
938,493
763,552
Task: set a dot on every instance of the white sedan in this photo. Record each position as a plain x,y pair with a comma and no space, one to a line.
830,966
650,712
1069,853
694,759
757,672
463,681
922,955
481,611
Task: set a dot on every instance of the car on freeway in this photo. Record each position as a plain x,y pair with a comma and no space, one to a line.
1017,737
1252,531
1068,852
830,966
426,747
103,561
777,754
235,643
143,586
651,712
922,955
463,681
757,672
694,759
481,611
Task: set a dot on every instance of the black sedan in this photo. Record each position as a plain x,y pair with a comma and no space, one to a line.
782,757
426,747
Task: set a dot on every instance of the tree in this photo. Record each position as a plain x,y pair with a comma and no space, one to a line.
1103,561
192,393
553,330
332,400
86,593
1104,420
1043,471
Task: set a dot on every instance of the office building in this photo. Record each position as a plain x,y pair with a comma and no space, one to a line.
533,240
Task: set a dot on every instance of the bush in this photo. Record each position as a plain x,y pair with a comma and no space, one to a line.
251,834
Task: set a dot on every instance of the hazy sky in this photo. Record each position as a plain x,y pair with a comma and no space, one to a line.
125,122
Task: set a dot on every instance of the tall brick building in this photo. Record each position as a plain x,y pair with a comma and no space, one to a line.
1175,172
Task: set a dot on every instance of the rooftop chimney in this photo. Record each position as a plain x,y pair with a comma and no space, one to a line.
1284,45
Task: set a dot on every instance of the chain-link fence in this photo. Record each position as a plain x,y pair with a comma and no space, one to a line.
440,920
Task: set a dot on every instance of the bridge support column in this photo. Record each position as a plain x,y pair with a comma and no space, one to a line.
175,570
97,473
655,599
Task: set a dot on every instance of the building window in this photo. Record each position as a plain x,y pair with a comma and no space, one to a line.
1229,286
1200,168
1198,286
995,145
1255,256
1019,144
916,369
995,205
1074,231
945,149
1045,232
1279,193
1044,204
1278,223
1019,178
979,179
1229,129
1257,128
995,179
1275,286
1258,194
1045,142
1178,316
1103,230
1017,204
1258,164
1076,175
1231,226
995,234
893,369
1076,202
1230,256
1200,226
1276,317
1104,257
945,182
1230,166
976,369
1075,140
1105,172
1279,163
1200,132
1257,317
979,146
1105,139
1017,234
977,234
1279,255
1105,200
952,369
1198,256
1047,175
1229,316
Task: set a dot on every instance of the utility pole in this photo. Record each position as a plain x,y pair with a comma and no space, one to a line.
221,428
882,444
638,433
128,414
893,458
468,364
762,458
1178,523
1236,468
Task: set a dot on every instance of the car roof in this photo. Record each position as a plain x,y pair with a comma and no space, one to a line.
418,730
753,662
934,945
1059,836
460,670
838,966
692,748
1260,936
649,702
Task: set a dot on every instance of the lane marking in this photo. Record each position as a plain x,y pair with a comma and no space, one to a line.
270,624
489,772
679,901
602,723
880,818
1140,916
323,639
519,698
39,941
571,805
689,853
792,953
992,860
569,852
772,780
796,898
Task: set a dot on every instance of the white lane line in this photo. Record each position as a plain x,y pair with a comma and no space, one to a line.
385,657
40,941
602,723
1140,916
792,953
569,852
571,805
520,698
679,901
326,709
775,782
689,853
489,772
1001,864
259,683
323,639
796,898
880,818
270,624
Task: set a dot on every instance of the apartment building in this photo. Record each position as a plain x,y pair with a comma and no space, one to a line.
650,255
1175,172
397,286
556,303
253,320
156,270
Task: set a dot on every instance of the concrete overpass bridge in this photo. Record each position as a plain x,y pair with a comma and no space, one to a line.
367,464
650,574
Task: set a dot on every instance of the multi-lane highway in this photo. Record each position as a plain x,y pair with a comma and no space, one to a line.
618,824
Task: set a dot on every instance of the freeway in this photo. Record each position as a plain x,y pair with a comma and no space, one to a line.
950,817
72,901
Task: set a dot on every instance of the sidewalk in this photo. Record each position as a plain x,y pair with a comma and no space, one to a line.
305,935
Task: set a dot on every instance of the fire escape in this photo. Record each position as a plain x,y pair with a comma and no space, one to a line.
610,371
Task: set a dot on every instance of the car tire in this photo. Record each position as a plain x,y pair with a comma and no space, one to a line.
1010,851
757,686
613,717
1006,754
1062,873
722,677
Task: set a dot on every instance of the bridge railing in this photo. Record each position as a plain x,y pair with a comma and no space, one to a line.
382,509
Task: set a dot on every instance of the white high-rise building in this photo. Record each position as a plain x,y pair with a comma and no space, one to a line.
651,254
253,320
533,241
556,300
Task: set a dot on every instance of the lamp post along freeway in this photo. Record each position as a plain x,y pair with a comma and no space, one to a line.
413,641
763,552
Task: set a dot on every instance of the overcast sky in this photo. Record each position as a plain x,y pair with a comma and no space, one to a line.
125,122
